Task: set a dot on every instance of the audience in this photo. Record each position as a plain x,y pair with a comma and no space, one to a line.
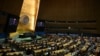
53,46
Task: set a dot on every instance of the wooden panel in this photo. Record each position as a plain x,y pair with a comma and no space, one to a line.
11,6
86,25
90,31
71,10
97,14
67,9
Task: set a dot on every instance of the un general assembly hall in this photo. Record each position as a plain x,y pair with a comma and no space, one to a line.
49,27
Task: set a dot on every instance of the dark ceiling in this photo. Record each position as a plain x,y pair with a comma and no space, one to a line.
68,9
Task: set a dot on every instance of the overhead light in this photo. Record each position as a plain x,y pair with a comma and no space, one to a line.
69,27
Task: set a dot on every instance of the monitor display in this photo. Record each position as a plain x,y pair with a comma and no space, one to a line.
12,23
40,26
8,22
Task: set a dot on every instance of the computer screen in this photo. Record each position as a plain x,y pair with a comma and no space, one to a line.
40,26
12,23
8,22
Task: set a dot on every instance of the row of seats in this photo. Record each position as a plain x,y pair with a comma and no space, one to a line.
57,46
7,50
